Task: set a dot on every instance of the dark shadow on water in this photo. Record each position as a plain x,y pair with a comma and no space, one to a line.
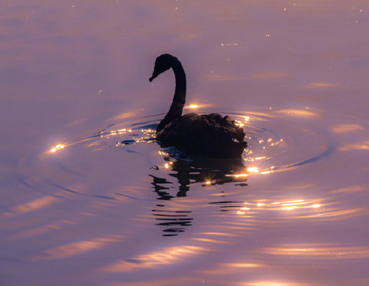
174,222
203,171
330,148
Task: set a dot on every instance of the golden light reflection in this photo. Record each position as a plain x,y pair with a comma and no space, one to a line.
259,158
320,85
196,106
260,116
266,143
346,128
169,255
168,165
242,265
237,176
243,210
300,209
266,172
288,205
34,205
228,268
253,170
167,281
288,208
240,175
79,247
355,146
209,240
124,115
299,113
334,214
349,190
116,132
238,123
142,136
320,251
57,148
271,283
228,44
163,153
218,233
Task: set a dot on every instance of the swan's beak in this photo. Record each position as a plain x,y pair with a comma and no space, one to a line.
154,75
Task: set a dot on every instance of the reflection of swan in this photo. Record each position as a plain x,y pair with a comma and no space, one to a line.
207,171
176,218
207,135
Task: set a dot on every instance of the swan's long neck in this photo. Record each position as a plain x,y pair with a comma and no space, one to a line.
179,99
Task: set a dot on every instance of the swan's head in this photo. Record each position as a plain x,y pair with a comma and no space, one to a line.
162,64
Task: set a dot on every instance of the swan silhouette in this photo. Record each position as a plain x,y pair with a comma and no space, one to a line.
201,135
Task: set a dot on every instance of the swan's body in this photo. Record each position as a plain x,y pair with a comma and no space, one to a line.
206,135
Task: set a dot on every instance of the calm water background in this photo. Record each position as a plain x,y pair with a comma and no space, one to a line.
110,209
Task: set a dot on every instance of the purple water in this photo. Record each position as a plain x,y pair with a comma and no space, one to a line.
87,197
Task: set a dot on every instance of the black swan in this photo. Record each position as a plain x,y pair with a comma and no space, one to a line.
201,135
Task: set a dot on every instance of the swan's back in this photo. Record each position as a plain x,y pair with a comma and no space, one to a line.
207,135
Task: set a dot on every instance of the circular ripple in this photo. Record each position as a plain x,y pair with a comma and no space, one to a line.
122,162
277,141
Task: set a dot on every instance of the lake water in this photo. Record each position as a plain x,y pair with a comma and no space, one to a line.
87,197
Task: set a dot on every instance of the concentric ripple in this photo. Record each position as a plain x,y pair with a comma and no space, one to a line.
123,161
279,140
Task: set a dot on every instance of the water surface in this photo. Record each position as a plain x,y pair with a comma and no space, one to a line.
89,198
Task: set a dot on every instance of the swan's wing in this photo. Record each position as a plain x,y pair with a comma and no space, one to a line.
208,135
